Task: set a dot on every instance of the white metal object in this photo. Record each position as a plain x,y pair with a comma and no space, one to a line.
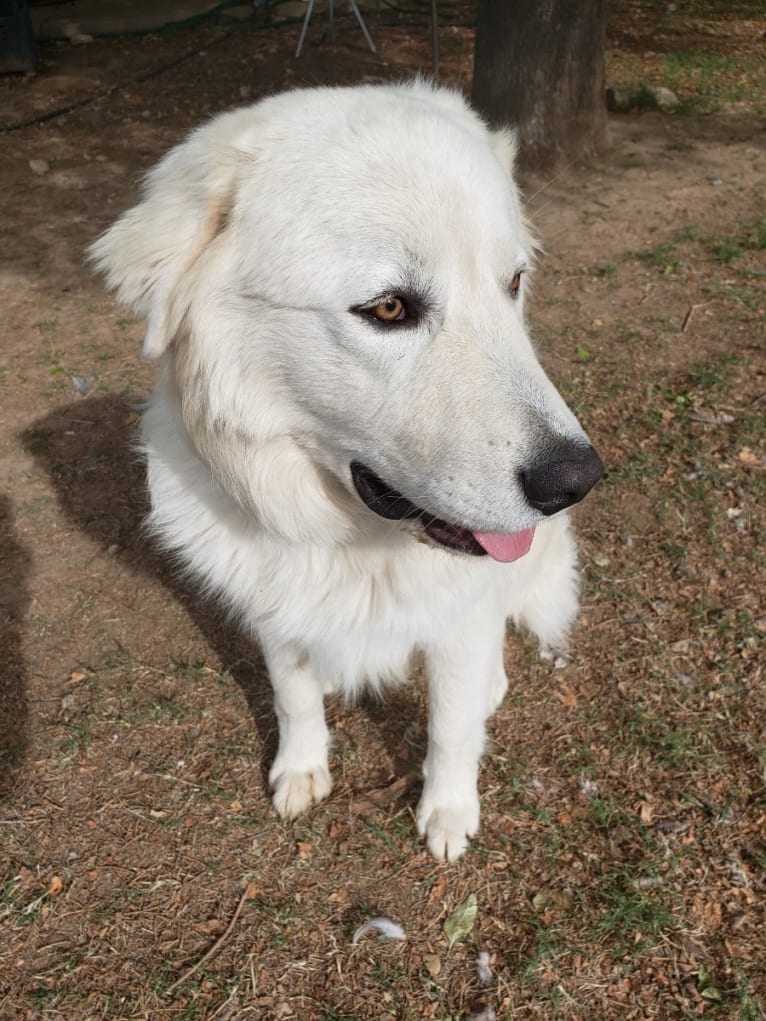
331,24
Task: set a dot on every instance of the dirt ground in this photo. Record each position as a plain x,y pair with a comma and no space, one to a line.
619,872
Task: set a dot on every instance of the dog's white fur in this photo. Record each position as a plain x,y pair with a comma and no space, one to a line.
253,240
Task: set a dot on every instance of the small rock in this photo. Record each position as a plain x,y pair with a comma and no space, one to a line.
666,100
39,166
618,100
75,35
621,100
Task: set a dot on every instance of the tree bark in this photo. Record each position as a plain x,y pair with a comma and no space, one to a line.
539,67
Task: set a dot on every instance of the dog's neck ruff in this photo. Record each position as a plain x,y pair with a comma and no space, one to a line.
388,503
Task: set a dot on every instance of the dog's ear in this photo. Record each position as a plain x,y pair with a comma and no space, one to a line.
152,247
504,142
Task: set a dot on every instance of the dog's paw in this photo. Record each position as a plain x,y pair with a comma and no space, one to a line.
448,827
295,791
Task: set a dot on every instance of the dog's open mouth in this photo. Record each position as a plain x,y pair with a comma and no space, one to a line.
388,503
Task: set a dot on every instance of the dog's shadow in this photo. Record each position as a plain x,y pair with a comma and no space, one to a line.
89,452
88,449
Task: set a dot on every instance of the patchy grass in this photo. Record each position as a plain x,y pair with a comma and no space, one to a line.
708,54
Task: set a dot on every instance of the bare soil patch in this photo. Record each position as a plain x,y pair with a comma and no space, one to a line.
620,869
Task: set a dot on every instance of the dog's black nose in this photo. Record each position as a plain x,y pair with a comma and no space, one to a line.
563,479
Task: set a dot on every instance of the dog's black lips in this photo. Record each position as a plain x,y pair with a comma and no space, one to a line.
388,503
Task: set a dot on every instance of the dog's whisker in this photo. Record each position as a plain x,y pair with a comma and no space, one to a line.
528,199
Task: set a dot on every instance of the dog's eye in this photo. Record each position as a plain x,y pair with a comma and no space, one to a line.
390,309
515,287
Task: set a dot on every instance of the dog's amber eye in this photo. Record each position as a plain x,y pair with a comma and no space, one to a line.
390,310
515,285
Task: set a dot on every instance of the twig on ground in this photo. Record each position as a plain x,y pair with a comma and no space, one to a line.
247,894
690,313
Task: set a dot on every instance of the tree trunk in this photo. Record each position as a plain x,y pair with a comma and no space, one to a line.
539,67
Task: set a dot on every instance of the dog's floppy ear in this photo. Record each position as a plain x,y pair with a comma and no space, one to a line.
505,145
152,247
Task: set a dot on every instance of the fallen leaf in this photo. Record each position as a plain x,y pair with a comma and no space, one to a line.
438,889
708,417
553,900
566,696
746,456
682,646
462,919
711,993
212,928
433,964
384,795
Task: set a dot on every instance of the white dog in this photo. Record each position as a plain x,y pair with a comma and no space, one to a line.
350,415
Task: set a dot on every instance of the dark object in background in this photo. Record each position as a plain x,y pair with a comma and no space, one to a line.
540,67
17,45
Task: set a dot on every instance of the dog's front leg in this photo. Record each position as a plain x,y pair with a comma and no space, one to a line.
300,775
466,680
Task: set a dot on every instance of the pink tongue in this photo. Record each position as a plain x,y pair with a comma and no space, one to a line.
505,548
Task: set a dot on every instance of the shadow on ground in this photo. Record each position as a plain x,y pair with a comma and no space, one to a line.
88,451
14,600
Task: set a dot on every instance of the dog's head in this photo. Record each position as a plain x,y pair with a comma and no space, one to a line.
335,279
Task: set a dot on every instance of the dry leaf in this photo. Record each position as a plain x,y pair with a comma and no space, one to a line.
746,456
433,964
566,696
646,813
438,889
462,919
212,928
708,417
552,900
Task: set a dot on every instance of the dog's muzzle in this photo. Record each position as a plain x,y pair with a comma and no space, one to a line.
569,472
